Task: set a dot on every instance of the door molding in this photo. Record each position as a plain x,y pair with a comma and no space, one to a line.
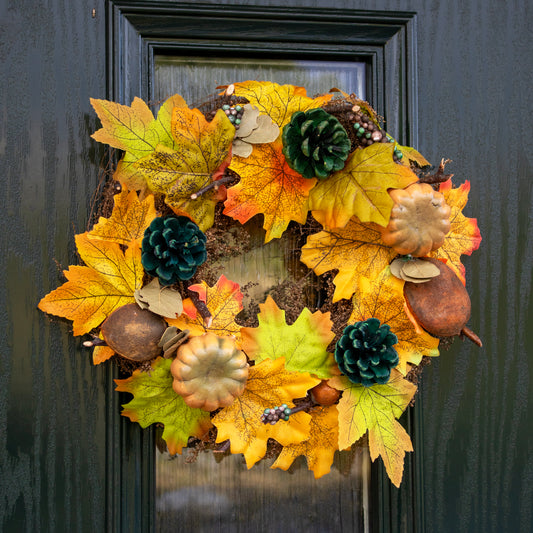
386,41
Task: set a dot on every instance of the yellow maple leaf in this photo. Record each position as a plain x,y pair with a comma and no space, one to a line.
134,130
464,236
375,409
224,301
94,291
269,384
268,186
128,221
279,102
412,155
382,298
319,448
360,188
355,250
202,148
101,354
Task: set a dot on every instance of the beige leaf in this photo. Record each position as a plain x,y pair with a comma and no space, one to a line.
162,301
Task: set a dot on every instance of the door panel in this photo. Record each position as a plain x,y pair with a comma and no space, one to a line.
209,493
68,462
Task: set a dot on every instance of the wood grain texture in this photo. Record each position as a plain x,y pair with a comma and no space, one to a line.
52,403
474,105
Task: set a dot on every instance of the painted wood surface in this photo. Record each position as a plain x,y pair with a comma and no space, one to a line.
56,437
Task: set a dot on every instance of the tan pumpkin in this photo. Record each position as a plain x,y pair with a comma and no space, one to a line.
419,221
209,372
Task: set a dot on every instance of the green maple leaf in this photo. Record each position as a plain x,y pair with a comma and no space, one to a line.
375,409
154,401
134,130
302,344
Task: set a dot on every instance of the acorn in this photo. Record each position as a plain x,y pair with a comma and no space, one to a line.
323,394
441,305
134,333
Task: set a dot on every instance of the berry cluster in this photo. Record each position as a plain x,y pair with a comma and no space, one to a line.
234,113
368,132
271,416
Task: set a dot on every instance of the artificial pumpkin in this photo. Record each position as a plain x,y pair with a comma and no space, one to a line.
419,221
209,372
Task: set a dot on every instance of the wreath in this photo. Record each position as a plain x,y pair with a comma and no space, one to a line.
296,373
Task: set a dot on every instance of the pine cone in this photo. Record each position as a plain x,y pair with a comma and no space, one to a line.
172,249
365,354
315,144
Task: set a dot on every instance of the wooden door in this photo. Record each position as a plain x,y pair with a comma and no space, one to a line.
68,462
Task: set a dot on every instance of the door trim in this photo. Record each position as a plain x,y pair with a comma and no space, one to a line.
386,41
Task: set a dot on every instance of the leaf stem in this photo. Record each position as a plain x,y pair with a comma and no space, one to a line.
201,308
213,185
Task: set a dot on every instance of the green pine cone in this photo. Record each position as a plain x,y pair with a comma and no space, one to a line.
365,352
172,249
315,144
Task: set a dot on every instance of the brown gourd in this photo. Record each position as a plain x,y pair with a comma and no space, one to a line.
441,305
134,333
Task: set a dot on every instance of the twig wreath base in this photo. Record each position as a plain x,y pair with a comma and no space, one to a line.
323,361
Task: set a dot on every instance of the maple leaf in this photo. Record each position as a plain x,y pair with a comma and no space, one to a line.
224,301
268,186
464,236
411,155
375,409
94,291
303,344
319,448
382,298
101,354
355,250
154,401
134,130
128,221
279,102
360,188
269,384
203,147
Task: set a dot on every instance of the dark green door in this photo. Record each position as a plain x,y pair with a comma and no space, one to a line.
68,462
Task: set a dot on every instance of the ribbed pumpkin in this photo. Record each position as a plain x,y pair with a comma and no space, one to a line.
419,221
209,372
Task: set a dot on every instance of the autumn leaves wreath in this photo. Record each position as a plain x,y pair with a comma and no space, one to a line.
383,231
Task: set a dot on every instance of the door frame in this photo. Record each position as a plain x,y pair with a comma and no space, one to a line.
386,41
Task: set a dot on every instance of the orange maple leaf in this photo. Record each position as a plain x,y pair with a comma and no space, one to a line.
375,409
355,250
382,298
128,221
464,236
319,448
269,384
224,301
268,186
360,188
279,102
94,291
